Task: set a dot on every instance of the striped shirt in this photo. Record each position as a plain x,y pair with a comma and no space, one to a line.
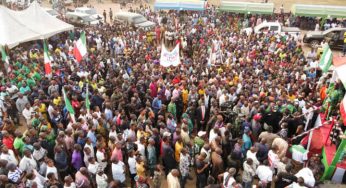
15,175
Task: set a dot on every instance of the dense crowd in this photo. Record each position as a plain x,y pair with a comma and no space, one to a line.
235,122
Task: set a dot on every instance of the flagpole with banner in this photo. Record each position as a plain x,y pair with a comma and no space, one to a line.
326,59
87,101
68,106
80,49
47,60
5,59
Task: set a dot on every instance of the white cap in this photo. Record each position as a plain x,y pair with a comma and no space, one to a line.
201,133
166,134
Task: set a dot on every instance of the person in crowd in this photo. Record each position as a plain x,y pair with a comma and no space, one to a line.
265,174
173,179
184,167
248,173
227,178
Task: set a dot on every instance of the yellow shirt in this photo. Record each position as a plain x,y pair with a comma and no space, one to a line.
140,169
94,85
345,38
185,95
42,108
201,91
57,101
291,97
178,147
81,83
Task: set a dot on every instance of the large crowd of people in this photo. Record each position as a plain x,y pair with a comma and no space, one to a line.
234,122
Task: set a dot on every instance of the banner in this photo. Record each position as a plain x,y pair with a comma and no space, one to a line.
169,58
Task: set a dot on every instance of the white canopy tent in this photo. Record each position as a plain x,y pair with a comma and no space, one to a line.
33,23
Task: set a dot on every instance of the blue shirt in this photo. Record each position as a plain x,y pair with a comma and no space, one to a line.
157,104
108,114
247,143
91,135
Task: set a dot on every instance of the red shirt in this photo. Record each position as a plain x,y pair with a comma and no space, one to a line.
8,142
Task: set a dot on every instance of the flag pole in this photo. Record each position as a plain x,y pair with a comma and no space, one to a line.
87,99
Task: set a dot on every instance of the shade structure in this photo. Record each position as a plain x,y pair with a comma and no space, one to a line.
13,32
247,8
30,24
180,5
324,11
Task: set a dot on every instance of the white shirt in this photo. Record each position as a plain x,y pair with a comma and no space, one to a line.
313,64
229,182
98,43
39,180
12,89
86,159
39,154
2,108
141,149
27,164
173,182
132,165
73,185
207,158
273,159
9,157
307,175
295,185
118,171
212,135
92,168
222,99
92,153
250,155
52,170
113,133
264,173
50,111
101,181
27,113
100,156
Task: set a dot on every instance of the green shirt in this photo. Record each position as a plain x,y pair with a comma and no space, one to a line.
35,122
172,109
31,82
24,89
36,76
18,144
199,142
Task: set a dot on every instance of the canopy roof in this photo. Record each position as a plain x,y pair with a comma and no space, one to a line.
30,24
179,5
319,11
247,8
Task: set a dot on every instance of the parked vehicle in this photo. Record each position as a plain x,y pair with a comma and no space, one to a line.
275,27
64,2
80,19
334,37
90,11
52,12
134,19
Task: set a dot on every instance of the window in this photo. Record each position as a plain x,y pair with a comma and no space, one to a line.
274,28
138,19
